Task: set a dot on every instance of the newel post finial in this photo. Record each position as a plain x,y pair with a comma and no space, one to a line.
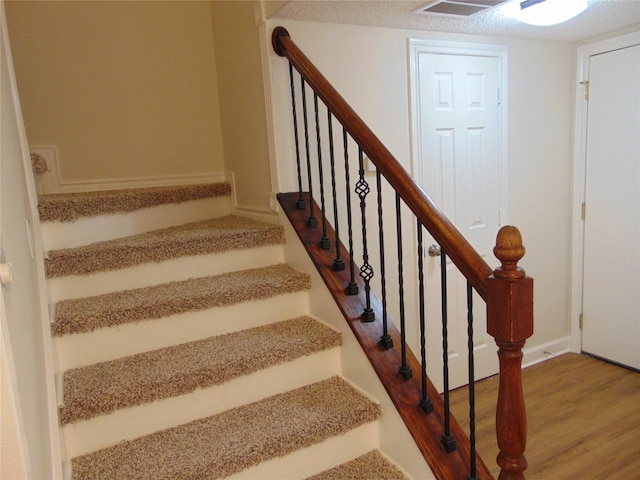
509,250
510,322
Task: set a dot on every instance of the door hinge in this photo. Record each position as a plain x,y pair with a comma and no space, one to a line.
581,321
586,89
499,96
583,213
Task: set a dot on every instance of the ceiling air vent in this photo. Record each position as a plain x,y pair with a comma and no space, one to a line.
459,8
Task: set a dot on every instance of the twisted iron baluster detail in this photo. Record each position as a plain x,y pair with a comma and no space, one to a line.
385,340
472,395
312,221
447,439
366,270
405,369
425,401
352,288
300,205
325,243
338,262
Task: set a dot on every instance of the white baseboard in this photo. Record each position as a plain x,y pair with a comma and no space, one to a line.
53,182
260,214
546,351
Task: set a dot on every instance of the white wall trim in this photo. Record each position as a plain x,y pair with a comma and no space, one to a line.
53,431
14,409
260,214
579,170
265,46
546,351
54,182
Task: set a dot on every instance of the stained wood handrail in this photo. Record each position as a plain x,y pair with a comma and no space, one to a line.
456,246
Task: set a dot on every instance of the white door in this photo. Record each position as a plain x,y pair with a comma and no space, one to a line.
611,289
459,163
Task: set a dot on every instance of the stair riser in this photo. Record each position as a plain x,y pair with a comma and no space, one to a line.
106,344
127,424
317,458
88,230
146,275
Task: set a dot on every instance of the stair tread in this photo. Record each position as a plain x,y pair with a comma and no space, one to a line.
67,207
196,238
370,466
181,369
86,314
229,442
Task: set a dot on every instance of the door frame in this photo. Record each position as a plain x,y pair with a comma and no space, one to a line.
55,454
579,173
417,46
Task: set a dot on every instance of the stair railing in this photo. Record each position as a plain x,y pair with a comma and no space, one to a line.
507,291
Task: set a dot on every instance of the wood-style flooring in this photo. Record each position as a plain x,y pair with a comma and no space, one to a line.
583,419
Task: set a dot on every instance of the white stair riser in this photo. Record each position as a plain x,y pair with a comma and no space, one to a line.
99,228
107,344
127,424
316,458
148,274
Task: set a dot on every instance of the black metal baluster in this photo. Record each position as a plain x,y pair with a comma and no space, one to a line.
300,205
352,288
447,439
385,340
366,270
324,241
472,394
425,401
312,221
405,370
338,262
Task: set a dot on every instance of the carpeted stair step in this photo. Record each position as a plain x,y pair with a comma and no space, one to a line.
181,369
87,314
196,238
371,466
232,441
67,207
187,204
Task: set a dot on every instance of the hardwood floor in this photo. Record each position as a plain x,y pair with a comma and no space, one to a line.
583,419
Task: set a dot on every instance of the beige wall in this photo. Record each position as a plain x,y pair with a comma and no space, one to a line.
240,86
123,89
369,67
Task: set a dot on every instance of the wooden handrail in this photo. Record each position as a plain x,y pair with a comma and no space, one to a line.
455,245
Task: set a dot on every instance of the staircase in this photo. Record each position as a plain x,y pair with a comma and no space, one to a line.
186,348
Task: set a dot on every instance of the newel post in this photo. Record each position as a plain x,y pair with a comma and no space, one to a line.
510,322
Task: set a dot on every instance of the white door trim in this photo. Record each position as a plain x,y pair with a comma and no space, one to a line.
418,46
579,170
33,226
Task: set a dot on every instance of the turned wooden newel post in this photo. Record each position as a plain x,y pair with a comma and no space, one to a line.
510,322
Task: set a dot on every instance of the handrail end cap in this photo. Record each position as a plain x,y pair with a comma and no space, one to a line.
275,36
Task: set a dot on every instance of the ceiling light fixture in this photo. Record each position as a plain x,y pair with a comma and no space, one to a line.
545,12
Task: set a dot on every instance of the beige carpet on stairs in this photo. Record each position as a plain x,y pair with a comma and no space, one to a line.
66,207
180,369
86,314
371,466
197,238
221,445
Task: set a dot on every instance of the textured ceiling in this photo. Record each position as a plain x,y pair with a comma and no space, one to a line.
602,16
